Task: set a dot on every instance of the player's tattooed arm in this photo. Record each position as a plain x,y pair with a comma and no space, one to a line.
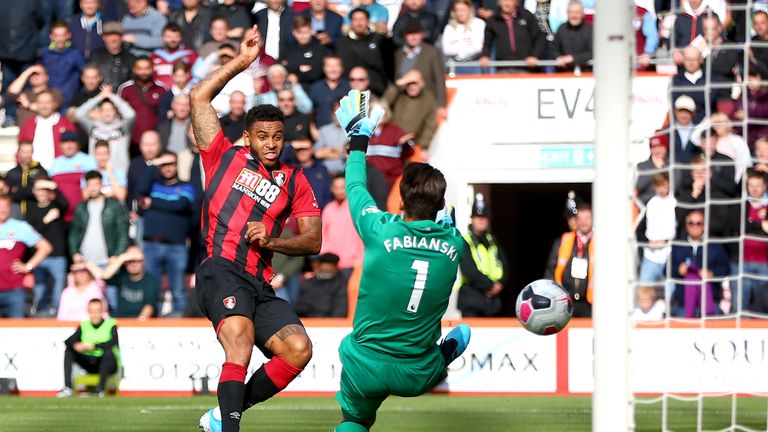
306,242
205,122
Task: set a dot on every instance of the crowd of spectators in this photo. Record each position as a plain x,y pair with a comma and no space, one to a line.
99,93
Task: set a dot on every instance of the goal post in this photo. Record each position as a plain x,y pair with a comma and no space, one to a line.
612,408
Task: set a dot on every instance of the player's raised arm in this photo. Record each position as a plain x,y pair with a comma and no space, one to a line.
205,122
353,117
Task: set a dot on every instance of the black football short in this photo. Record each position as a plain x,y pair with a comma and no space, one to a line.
224,290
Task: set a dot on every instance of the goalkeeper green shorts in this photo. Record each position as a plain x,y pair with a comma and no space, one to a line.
368,377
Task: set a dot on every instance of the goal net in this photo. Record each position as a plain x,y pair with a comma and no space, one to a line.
701,287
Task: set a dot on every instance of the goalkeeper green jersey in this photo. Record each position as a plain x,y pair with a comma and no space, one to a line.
408,273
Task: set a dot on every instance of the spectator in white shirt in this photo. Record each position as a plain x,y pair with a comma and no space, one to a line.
649,308
463,36
661,226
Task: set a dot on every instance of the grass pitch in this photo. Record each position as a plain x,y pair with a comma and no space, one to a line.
432,413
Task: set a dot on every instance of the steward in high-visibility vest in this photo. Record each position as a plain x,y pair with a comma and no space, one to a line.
571,262
93,346
484,267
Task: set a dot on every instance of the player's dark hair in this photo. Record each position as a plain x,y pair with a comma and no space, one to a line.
265,113
301,21
360,10
142,58
181,65
173,27
92,174
422,189
753,173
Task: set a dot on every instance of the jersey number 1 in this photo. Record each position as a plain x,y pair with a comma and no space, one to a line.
422,268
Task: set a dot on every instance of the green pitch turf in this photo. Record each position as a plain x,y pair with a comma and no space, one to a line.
433,413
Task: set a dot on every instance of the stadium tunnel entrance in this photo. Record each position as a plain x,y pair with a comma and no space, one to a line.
526,219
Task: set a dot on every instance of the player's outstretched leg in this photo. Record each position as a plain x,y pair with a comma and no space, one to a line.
455,343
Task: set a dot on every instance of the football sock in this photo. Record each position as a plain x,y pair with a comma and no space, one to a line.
230,395
269,380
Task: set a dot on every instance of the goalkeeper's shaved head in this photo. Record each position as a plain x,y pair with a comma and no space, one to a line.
422,189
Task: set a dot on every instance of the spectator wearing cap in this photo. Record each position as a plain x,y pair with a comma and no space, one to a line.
573,42
304,55
143,27
324,295
86,28
681,146
462,38
413,107
331,144
327,91
657,162
339,235
19,27
274,23
573,265
424,57
515,34
484,267
326,24
193,19
46,129
17,237
172,52
390,146
379,17
68,171
21,177
692,75
143,95
314,170
114,60
414,11
660,230
137,291
112,122
46,215
83,286
371,50
167,205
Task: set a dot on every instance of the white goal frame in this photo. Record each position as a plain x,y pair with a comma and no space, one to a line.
612,407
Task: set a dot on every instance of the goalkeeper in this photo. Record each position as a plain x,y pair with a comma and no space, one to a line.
409,269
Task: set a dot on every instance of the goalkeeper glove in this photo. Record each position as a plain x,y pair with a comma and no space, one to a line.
356,118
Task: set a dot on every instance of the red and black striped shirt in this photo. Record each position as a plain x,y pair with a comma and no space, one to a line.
239,189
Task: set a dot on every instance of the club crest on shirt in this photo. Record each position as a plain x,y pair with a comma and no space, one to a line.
279,177
230,302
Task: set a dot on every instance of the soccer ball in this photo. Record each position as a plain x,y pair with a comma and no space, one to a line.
544,307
